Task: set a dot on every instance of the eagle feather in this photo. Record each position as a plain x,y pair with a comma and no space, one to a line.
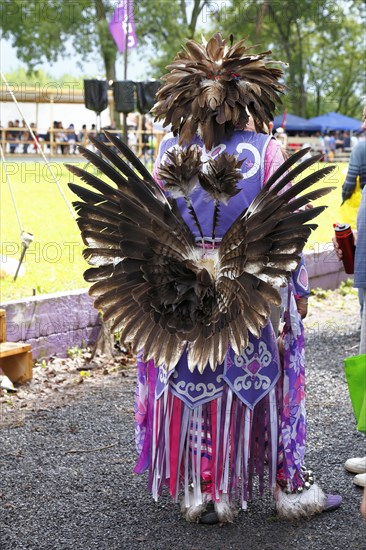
155,284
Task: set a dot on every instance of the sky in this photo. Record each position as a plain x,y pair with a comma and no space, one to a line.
67,114
136,68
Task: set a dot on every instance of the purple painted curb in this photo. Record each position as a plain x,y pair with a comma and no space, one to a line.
324,268
54,323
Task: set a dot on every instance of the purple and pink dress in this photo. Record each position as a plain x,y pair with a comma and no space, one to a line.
214,432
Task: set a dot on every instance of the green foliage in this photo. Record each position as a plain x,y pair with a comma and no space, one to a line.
74,352
336,68
320,293
322,41
40,31
346,288
162,26
39,78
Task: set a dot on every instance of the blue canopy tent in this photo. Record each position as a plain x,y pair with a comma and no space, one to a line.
294,123
335,121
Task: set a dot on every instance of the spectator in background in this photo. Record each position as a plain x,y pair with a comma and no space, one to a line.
357,167
358,465
25,138
332,147
339,140
144,137
11,137
346,141
34,130
17,129
282,138
72,139
321,145
326,145
82,135
61,137
93,133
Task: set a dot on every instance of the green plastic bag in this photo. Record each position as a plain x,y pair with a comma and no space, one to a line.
361,425
355,369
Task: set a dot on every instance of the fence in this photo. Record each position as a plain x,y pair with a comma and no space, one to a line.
60,141
145,144
294,143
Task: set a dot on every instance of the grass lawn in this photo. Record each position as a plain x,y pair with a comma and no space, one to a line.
53,261
321,238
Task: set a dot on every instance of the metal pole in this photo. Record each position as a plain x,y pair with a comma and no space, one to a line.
39,148
10,188
125,57
27,239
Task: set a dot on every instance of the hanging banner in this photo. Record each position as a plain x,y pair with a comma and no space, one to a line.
122,26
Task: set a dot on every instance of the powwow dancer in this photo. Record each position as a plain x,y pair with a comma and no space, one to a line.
190,276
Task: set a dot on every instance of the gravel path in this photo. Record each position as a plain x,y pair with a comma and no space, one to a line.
67,483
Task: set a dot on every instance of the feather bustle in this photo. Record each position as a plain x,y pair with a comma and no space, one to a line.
149,280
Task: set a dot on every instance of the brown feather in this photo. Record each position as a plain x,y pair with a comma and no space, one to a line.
212,87
180,173
153,283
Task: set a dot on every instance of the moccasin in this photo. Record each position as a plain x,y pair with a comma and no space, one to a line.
356,465
360,480
332,503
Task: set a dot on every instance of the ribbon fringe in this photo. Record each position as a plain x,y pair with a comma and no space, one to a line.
215,449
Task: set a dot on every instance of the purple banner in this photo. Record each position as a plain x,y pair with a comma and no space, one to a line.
122,26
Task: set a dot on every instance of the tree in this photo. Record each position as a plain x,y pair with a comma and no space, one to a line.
40,31
34,78
162,27
320,40
336,77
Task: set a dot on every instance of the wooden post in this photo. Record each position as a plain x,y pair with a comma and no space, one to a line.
2,325
15,357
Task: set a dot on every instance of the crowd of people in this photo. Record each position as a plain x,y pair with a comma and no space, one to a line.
16,137
142,138
329,144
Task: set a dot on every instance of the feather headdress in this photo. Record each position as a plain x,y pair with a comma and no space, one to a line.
213,87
